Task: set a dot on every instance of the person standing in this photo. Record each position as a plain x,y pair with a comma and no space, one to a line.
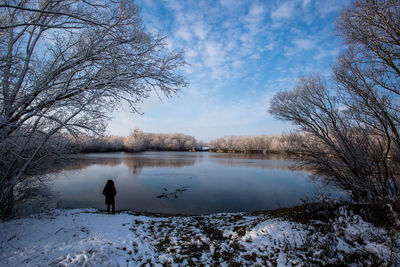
109,191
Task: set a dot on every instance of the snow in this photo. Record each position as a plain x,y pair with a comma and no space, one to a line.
92,238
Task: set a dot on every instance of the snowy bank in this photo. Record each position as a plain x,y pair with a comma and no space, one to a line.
91,238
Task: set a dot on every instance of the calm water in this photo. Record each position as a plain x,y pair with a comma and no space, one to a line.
184,182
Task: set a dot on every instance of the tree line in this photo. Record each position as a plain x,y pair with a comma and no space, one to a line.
139,141
248,144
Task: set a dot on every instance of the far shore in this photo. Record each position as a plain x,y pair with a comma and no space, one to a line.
265,152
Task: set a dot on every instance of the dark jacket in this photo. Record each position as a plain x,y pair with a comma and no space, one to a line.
109,191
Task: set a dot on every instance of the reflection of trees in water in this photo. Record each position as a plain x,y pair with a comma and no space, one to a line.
136,164
271,156
283,165
80,163
268,161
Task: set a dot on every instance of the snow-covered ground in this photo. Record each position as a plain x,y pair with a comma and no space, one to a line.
91,238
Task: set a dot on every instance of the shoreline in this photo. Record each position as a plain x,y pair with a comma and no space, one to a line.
279,237
273,152
371,212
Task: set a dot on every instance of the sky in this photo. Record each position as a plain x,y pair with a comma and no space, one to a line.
240,53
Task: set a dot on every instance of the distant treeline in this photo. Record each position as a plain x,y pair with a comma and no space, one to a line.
141,141
248,144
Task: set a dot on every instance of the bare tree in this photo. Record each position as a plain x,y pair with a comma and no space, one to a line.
142,141
136,141
100,144
370,68
63,66
350,126
248,144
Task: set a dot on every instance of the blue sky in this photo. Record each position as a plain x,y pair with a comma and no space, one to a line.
240,54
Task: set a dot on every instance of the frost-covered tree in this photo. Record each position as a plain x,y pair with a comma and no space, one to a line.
264,143
136,141
141,141
350,125
63,66
100,144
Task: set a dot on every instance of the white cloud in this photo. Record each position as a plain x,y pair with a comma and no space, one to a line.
174,4
323,53
184,34
200,30
326,7
217,45
305,44
170,44
231,45
191,53
256,10
213,49
237,63
284,11
255,56
255,14
230,3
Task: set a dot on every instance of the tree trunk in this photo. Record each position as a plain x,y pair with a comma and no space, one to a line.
7,209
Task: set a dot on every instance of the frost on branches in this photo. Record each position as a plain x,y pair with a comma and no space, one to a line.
63,66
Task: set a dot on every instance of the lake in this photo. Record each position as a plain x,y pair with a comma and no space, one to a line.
185,182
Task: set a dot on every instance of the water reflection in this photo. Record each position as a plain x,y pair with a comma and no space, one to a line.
260,156
84,161
202,182
137,163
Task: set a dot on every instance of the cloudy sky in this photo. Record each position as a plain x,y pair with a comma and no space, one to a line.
240,53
